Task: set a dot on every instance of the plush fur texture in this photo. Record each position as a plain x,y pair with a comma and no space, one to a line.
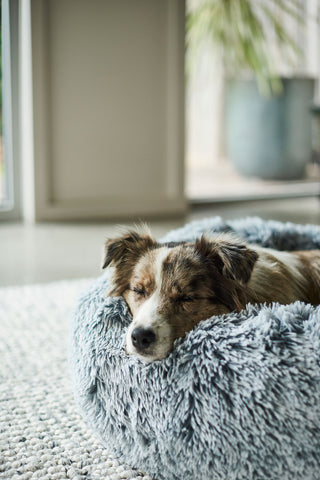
237,399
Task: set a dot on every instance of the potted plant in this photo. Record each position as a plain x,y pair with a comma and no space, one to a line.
268,124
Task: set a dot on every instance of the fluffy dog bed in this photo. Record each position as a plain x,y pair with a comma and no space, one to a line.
238,398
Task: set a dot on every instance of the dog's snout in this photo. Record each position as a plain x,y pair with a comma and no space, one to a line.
142,338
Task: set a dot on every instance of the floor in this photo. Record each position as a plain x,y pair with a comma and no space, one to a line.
222,182
48,252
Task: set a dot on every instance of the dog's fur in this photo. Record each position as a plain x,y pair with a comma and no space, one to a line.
171,287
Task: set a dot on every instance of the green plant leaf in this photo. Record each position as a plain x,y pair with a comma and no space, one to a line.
242,31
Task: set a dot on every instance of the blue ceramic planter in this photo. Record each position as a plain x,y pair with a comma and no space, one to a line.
269,138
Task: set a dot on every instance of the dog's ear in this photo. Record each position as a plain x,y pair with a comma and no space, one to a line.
127,248
123,253
230,256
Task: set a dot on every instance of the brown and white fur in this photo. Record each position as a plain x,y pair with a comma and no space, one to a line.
171,287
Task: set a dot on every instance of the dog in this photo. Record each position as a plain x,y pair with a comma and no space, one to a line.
171,287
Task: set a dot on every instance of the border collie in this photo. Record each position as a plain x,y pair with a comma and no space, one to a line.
171,287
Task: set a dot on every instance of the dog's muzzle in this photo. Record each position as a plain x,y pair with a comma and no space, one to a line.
149,341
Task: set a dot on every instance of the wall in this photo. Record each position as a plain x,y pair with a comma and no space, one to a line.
108,108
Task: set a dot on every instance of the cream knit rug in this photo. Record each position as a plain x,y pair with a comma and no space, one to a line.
42,435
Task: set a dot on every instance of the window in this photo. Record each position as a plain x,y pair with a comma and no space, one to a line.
213,172
6,187
9,194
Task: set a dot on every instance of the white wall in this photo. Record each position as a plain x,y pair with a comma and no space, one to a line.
108,107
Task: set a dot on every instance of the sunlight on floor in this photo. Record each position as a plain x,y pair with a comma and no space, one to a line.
221,182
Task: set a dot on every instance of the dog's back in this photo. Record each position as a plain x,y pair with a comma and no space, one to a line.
310,260
285,277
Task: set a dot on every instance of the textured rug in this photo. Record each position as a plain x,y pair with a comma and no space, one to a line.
41,433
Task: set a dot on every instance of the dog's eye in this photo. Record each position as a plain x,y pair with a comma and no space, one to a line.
186,298
139,291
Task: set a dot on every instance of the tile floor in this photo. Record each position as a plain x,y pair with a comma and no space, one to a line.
49,251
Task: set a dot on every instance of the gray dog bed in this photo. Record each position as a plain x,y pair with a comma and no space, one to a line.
238,398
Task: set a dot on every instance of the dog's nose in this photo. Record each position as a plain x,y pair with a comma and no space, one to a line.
142,338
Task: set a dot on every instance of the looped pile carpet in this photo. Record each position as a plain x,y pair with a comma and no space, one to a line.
42,435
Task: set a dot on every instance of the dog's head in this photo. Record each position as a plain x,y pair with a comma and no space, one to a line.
171,287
